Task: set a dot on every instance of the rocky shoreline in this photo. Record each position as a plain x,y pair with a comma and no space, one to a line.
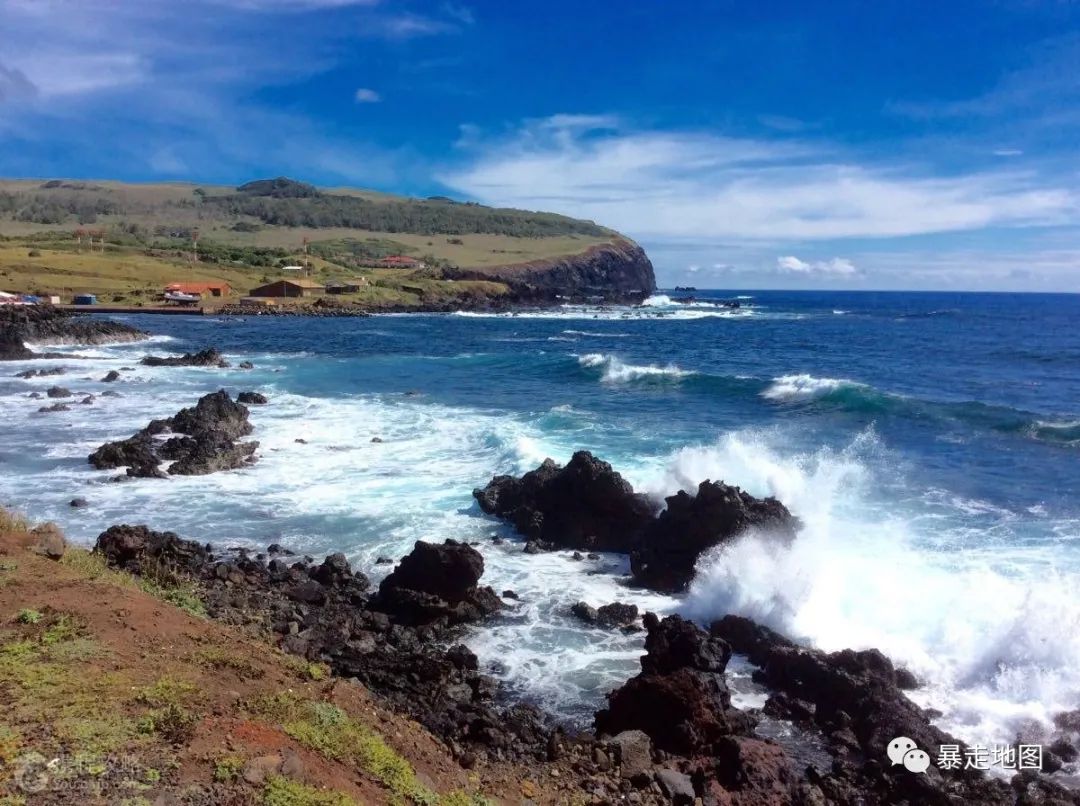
44,324
671,734
668,735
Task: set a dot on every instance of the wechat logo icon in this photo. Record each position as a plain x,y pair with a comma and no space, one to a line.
32,773
904,751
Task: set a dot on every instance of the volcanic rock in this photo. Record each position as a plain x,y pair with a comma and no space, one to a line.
49,541
590,507
45,324
437,583
252,398
142,550
585,505
209,357
204,442
692,524
680,698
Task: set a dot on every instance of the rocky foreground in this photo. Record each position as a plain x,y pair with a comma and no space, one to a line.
669,735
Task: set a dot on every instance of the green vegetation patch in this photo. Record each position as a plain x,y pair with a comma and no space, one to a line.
48,684
179,592
282,791
13,521
219,659
329,731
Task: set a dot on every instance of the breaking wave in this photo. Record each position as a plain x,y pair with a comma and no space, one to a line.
993,636
614,370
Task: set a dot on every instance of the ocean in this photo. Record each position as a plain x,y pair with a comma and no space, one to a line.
929,442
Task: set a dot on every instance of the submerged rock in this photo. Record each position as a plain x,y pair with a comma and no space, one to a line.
252,398
615,614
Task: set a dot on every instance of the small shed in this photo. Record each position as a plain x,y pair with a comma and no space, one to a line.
84,299
342,287
289,288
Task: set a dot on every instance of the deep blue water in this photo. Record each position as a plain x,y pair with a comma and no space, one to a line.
930,442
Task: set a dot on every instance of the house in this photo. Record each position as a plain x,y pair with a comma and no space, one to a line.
342,287
401,262
289,288
293,269
208,289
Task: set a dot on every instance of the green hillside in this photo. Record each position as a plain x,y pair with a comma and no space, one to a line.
245,234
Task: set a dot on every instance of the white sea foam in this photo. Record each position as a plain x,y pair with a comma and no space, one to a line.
652,309
617,371
658,301
995,636
792,388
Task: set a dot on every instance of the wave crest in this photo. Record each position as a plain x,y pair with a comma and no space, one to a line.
614,370
807,387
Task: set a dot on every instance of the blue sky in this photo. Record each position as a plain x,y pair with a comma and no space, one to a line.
769,145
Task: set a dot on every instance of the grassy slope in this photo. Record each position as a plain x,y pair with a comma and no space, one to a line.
125,270
129,276
137,694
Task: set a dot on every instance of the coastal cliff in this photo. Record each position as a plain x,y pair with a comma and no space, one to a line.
616,272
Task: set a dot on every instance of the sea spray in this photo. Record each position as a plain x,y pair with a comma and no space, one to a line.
995,641
617,371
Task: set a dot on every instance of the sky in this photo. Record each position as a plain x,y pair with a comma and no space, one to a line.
847,145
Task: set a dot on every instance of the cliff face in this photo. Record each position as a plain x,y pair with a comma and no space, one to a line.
615,272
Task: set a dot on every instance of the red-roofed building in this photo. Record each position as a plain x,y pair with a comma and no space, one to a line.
212,289
401,262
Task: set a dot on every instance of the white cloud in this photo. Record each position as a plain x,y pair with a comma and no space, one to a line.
289,5
683,184
407,26
365,95
836,267
1008,152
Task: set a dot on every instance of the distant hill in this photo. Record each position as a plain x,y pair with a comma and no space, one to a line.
245,233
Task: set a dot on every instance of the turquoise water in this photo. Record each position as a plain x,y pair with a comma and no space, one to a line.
929,443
